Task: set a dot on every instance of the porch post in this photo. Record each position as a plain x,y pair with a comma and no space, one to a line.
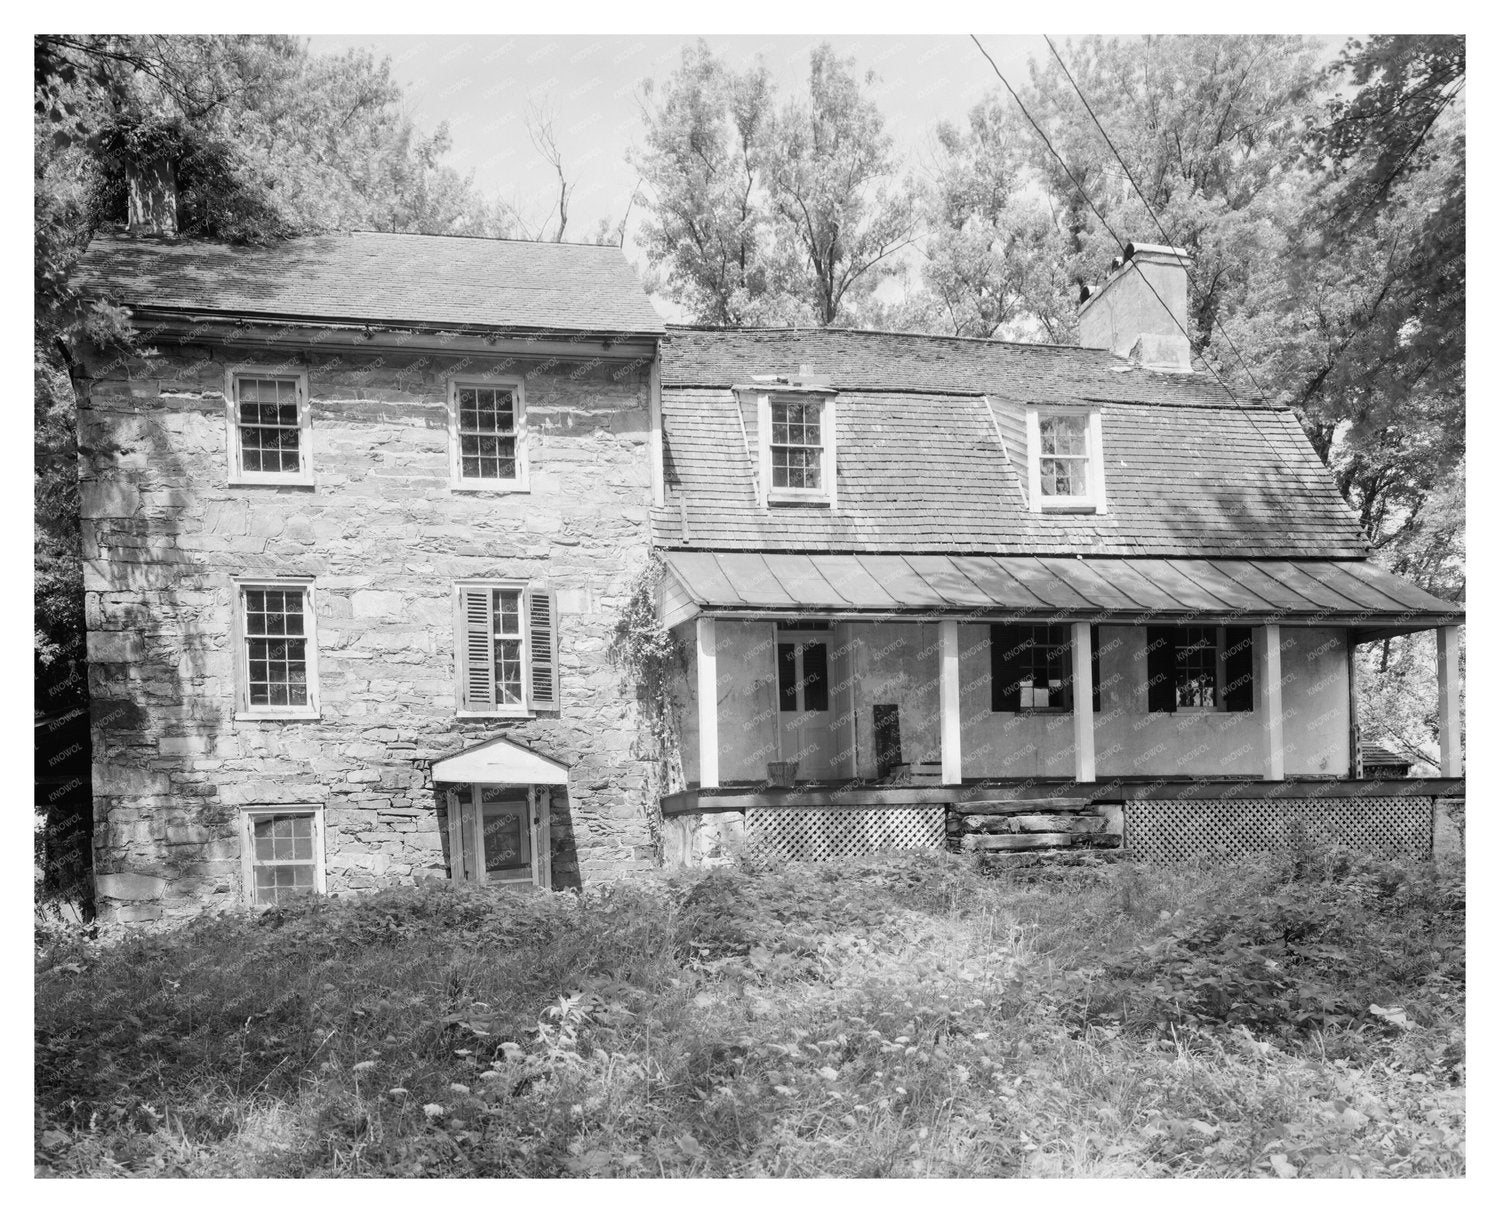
952,747
708,704
1267,641
1356,758
1450,715
1083,705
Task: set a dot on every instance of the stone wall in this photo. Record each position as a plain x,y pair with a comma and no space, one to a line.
385,537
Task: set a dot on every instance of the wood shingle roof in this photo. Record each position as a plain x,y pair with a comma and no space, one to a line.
382,277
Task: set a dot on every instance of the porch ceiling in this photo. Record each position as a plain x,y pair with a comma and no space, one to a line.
1105,589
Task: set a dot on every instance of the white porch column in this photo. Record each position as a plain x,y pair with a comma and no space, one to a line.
1083,705
948,702
1267,642
1450,715
708,705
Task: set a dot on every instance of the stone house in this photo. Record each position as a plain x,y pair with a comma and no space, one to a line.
363,515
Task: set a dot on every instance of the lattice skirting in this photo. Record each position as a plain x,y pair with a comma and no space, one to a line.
818,835
1169,830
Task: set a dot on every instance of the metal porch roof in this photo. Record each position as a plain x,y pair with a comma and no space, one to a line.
1106,589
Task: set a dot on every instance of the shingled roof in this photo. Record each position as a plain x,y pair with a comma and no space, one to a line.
922,466
906,362
384,277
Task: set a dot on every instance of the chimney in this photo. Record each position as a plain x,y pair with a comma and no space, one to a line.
1140,311
151,186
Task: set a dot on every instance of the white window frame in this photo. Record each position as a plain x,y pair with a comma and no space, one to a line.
249,815
457,481
237,473
828,494
524,709
243,709
1092,502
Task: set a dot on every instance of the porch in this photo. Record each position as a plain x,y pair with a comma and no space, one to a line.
983,687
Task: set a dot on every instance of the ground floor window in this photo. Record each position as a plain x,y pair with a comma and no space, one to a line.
282,853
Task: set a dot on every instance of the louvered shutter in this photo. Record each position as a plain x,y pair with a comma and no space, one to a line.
476,650
1239,670
1161,669
1094,661
1005,667
543,649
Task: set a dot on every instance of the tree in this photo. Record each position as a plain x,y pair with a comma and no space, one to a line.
830,177
760,215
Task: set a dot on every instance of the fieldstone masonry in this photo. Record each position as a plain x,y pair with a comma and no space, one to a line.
385,537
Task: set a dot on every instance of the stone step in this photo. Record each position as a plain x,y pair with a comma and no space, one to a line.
1015,842
1035,823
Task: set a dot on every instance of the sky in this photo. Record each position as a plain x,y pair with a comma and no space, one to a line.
482,87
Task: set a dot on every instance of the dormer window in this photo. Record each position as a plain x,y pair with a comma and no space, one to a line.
1066,459
797,447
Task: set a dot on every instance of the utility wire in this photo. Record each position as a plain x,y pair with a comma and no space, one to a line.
1082,193
1146,202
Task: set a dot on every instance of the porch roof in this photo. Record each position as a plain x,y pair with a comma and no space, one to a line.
1103,589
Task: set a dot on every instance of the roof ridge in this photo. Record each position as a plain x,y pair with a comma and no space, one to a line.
811,329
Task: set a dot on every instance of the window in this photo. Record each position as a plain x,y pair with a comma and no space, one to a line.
1066,460
269,427
797,447
488,434
278,658
1200,668
507,649
802,676
281,849
1031,667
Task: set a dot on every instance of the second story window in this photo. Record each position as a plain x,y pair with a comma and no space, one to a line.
506,637
797,448
488,435
269,428
1066,459
277,659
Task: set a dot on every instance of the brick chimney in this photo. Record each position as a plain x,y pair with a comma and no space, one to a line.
151,186
1140,311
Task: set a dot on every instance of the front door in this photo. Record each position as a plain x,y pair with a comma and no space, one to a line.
803,692
501,833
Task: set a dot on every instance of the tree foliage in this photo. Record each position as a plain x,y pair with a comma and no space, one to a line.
760,214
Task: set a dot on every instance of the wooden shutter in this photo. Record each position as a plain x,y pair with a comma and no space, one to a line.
476,650
1161,669
1005,667
1239,670
1094,661
542,647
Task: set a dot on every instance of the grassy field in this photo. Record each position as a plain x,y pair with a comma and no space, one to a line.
897,1016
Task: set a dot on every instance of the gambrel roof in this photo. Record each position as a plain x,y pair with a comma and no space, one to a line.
931,458
382,277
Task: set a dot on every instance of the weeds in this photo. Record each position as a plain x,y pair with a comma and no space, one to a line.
897,1016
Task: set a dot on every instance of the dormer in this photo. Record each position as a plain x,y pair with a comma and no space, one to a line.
796,451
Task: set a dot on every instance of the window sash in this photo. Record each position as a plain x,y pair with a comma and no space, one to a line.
1196,661
796,446
508,662
275,637
488,428
268,433
1047,665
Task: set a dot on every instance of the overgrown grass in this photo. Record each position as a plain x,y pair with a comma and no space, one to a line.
897,1016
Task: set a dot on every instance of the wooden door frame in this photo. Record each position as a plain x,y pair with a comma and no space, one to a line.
466,834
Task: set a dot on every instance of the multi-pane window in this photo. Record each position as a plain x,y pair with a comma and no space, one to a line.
1197,664
507,649
510,642
269,427
278,661
797,445
802,676
1064,455
1046,664
283,854
489,434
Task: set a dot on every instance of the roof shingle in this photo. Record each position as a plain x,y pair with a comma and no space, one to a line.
387,277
